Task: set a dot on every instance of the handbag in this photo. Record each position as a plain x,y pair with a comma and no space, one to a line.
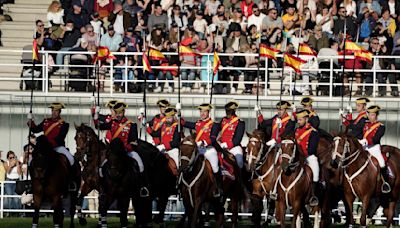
22,186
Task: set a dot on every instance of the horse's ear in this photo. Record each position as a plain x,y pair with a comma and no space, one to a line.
249,135
334,133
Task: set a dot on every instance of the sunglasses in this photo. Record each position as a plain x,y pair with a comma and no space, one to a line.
40,25
375,43
11,157
90,30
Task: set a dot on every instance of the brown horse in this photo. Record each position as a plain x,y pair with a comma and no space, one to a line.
362,175
50,181
91,153
263,163
294,184
198,185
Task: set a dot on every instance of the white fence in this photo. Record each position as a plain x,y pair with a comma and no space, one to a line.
271,74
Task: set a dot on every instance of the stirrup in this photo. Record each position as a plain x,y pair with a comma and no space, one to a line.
144,192
273,196
313,201
385,188
72,186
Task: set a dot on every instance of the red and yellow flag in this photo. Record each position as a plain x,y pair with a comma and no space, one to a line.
304,49
155,54
103,53
187,51
269,52
35,51
352,47
293,62
363,55
187,41
216,63
146,64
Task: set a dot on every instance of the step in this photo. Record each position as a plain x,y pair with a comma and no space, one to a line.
14,44
27,9
25,26
25,6
10,69
27,17
33,2
8,33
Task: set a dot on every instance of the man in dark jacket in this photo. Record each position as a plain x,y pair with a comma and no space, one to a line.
120,19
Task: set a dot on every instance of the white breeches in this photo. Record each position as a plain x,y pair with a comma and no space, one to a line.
135,155
312,162
212,156
237,151
375,151
174,154
63,150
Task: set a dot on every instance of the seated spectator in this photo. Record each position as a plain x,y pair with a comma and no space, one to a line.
307,23
332,50
222,24
155,39
325,20
211,8
275,38
167,73
291,20
338,24
272,21
383,35
231,4
40,32
367,25
350,7
393,6
285,5
132,41
173,36
13,173
132,8
146,6
97,24
256,18
200,25
104,8
120,19
69,37
55,14
178,18
190,36
396,41
318,39
79,17
235,39
266,5
220,11
388,22
157,19
253,36
371,5
110,39
91,37
238,18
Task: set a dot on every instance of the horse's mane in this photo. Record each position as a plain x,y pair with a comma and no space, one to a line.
117,147
85,128
43,146
352,140
148,152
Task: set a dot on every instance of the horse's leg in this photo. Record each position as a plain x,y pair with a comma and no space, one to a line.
58,211
84,192
349,199
325,210
104,204
390,213
257,210
205,220
196,213
123,205
219,214
280,210
365,204
72,208
161,205
37,201
296,222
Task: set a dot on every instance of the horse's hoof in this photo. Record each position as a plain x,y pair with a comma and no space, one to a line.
82,221
206,224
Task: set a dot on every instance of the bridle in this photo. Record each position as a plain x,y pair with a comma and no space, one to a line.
85,148
346,150
190,159
284,155
249,153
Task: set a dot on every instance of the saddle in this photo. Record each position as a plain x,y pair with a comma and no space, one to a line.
171,165
228,171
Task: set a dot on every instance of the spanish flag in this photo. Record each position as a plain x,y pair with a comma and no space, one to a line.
155,54
363,55
216,63
293,62
35,51
146,64
304,49
187,51
352,47
103,53
187,41
269,52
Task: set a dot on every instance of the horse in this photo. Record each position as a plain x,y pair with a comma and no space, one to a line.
263,164
50,180
294,184
362,174
91,153
198,185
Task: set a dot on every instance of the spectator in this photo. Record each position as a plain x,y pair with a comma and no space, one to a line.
2,168
251,62
156,38
132,8
173,37
69,37
396,42
388,22
40,32
220,10
275,38
367,25
325,20
205,46
238,18
91,37
110,39
393,6
157,19
104,8
13,173
371,5
79,17
266,5
307,23
55,14
252,35
132,41
231,4
310,5
291,20
330,4
222,24
188,72
256,18
24,161
247,7
200,25
318,39
167,74
178,18
97,24
235,39
350,7
190,36
286,4
338,24
88,6
211,7
146,6
120,74
331,51
272,21
120,19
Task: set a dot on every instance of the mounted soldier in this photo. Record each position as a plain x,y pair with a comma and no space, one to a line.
100,118
356,126
155,124
281,123
307,138
126,130
373,131
313,118
206,135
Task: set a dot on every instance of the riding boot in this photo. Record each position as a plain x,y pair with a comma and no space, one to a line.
385,186
144,184
73,173
314,199
218,182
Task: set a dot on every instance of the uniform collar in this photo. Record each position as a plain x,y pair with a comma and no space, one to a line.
206,120
306,126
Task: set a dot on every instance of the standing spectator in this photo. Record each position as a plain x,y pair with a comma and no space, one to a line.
178,17
256,18
266,5
200,25
157,19
2,168
205,61
79,17
110,39
247,7
291,20
371,5
272,21
188,62
251,62
25,160
367,25
307,23
338,24
120,19
13,173
393,6
350,7
325,20
318,39
69,37
104,8
55,14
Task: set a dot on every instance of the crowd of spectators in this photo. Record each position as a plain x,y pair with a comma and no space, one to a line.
230,26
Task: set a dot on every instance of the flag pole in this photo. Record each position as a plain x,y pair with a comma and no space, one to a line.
343,72
258,83
282,73
34,53
213,74
144,92
179,106
352,74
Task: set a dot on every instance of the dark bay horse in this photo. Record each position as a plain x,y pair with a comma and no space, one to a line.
263,163
198,185
50,181
294,184
362,176
91,153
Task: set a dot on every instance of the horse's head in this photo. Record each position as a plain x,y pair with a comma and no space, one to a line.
189,151
116,158
344,149
83,138
254,149
289,154
40,157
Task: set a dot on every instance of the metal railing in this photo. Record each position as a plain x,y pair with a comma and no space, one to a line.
270,75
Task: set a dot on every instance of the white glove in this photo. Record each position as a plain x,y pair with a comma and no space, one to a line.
224,145
161,148
271,143
141,110
363,142
96,113
349,109
199,144
178,106
341,112
294,109
257,108
30,116
92,99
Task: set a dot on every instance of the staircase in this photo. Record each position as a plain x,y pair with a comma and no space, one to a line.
18,33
